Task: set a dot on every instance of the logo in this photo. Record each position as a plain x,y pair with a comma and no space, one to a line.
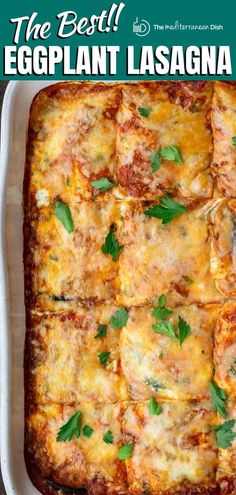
141,28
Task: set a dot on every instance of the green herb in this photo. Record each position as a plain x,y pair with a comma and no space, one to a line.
103,184
154,384
102,331
155,161
224,434
184,330
167,210
218,398
125,452
108,437
70,429
234,140
68,182
103,357
172,153
167,328
111,245
188,279
99,158
161,313
232,370
120,318
144,111
87,431
153,407
161,301
53,257
161,354
63,214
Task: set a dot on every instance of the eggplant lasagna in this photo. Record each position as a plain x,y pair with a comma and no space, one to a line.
130,289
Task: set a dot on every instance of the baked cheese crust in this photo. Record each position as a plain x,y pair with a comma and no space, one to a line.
174,452
179,115
71,141
156,364
83,462
166,259
225,350
226,472
224,129
62,358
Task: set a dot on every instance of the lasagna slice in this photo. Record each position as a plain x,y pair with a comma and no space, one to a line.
174,452
158,123
74,357
223,247
173,259
87,461
224,130
66,268
226,472
71,140
225,350
155,364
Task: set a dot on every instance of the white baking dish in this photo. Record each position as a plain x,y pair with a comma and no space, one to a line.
15,114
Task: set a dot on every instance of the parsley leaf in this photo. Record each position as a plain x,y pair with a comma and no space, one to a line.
102,331
154,384
167,210
103,357
108,437
165,329
218,397
161,313
120,318
171,153
155,161
234,140
103,184
161,301
111,245
184,330
153,407
87,431
144,111
63,213
70,429
224,434
125,451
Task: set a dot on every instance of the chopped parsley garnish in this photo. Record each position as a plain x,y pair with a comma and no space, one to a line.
70,429
108,437
154,384
153,407
87,431
224,434
63,213
145,112
103,357
234,140
167,210
102,331
120,318
218,397
188,279
167,328
111,245
171,153
161,312
125,451
103,184
155,161
232,369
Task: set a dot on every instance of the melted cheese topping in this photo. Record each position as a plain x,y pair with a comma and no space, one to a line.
171,450
224,128
156,365
72,265
160,258
64,353
171,121
82,461
68,149
225,350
